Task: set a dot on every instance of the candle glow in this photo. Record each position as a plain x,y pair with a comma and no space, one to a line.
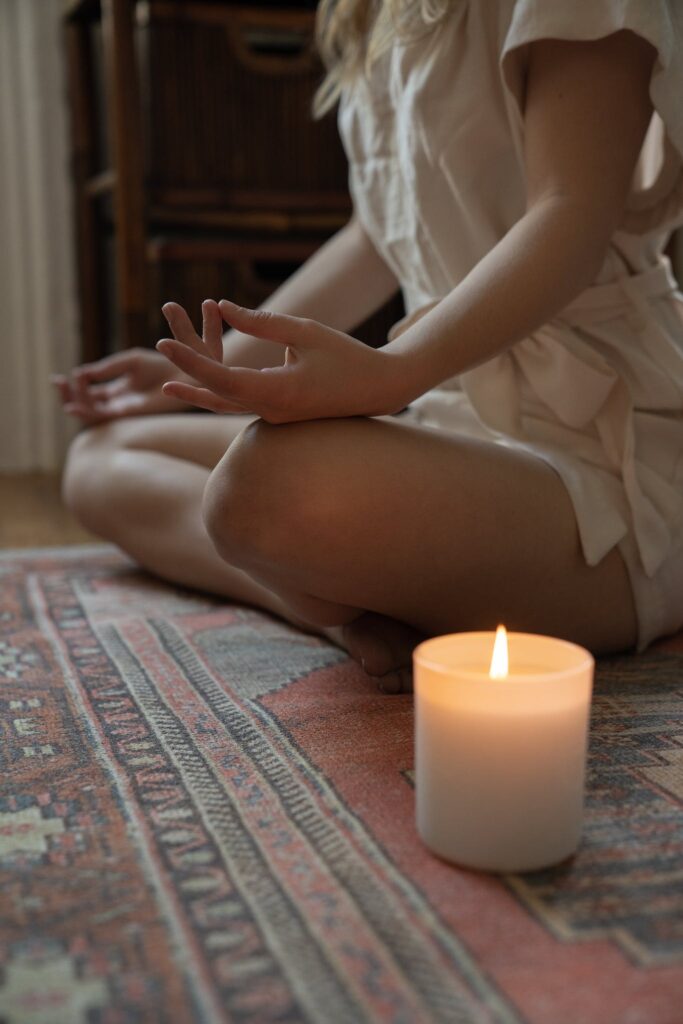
499,660
500,748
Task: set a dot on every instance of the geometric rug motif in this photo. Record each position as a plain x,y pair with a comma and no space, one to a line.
207,815
627,883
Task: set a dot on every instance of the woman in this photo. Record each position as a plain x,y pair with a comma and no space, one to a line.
536,476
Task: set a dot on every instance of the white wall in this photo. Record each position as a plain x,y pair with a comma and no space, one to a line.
38,317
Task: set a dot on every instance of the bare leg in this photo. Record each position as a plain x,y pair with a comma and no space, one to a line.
361,493
139,483
442,533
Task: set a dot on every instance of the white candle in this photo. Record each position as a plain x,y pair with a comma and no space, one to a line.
500,762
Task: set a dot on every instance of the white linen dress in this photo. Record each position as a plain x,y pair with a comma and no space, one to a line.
434,140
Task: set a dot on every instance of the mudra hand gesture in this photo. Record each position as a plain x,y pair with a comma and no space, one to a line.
123,384
325,373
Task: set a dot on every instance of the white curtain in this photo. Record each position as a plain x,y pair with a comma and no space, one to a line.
38,313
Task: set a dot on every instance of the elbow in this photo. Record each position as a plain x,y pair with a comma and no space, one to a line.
582,230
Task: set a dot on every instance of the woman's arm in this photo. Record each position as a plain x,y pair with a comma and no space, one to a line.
341,285
586,113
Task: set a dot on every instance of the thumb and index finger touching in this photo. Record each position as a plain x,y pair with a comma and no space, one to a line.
104,369
233,383
277,327
266,324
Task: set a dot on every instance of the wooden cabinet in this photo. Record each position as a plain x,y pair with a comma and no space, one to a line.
239,81
198,168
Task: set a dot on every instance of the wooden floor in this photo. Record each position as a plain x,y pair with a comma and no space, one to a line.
32,513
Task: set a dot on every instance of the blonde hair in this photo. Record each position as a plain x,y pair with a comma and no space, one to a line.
352,34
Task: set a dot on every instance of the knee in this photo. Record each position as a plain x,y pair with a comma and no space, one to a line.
253,495
82,468
233,502
87,477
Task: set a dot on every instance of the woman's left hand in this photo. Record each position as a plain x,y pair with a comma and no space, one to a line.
325,373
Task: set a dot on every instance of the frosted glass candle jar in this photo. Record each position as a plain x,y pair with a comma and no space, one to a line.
500,762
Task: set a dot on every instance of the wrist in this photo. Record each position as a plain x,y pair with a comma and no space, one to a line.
400,386
411,348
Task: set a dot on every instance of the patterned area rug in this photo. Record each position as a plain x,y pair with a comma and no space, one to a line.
207,816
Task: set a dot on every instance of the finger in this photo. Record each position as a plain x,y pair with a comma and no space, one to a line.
86,414
262,323
182,327
80,389
202,397
212,329
84,399
236,383
100,392
63,387
109,366
102,412
71,396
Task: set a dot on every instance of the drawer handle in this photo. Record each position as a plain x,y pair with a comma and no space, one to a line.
272,49
267,42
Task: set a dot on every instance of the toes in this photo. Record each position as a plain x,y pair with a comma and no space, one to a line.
400,681
366,647
382,646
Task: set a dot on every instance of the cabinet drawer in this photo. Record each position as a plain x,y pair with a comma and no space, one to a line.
247,271
228,98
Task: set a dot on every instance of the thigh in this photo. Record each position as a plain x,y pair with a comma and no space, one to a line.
443,532
199,438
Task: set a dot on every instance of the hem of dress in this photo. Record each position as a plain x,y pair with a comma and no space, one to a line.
653,597
643,589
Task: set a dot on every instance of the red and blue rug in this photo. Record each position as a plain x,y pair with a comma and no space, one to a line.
207,816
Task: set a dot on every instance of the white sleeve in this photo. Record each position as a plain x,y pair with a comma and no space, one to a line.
660,22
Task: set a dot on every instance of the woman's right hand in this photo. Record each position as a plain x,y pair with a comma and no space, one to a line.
126,383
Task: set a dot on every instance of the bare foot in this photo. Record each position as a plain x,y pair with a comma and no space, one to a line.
382,646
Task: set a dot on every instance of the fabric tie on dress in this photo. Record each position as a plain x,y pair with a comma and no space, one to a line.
659,207
580,387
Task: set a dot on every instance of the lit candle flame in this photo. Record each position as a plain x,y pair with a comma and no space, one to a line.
499,661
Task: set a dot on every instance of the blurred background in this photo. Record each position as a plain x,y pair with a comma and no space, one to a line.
37,260
149,151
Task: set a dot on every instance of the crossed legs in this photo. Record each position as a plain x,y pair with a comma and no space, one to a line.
139,481
442,533
325,522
